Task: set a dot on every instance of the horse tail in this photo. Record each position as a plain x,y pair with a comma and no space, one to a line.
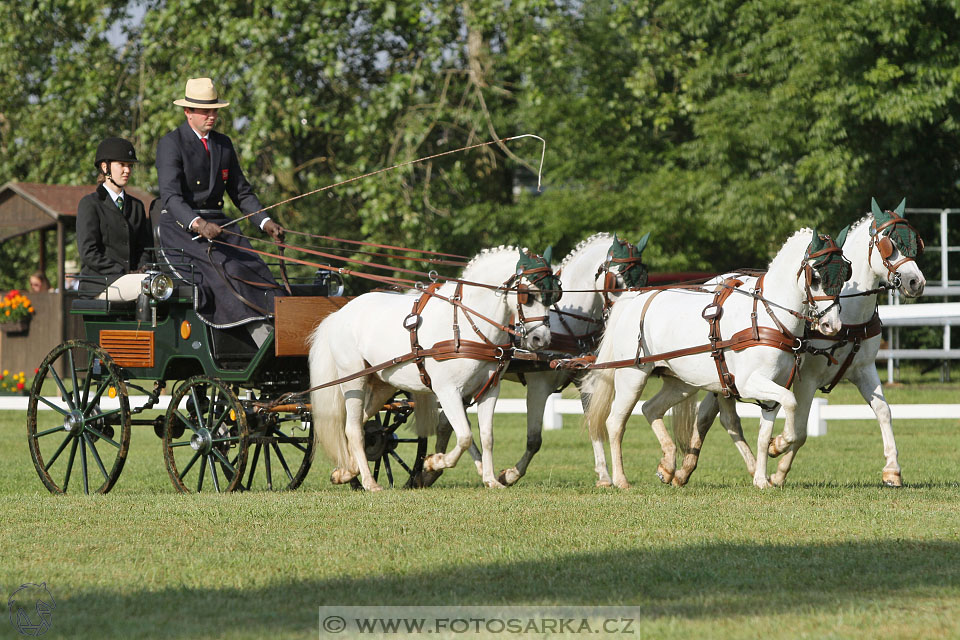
684,420
327,406
599,382
425,414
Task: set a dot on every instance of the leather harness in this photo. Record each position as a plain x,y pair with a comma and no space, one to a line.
850,333
753,336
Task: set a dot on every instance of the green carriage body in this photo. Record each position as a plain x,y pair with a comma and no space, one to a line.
228,424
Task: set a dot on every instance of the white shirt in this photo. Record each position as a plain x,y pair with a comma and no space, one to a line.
106,185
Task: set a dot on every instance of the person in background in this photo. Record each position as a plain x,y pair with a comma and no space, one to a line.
113,232
196,166
39,282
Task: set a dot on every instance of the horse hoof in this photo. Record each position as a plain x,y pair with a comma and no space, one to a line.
493,484
892,479
509,477
604,484
431,463
776,447
778,480
679,481
665,475
623,484
762,483
341,476
427,478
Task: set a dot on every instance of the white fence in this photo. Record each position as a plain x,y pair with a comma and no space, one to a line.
557,407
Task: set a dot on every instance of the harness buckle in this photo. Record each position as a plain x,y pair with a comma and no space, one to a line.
411,322
712,311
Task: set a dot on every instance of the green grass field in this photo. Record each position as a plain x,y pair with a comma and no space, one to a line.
832,555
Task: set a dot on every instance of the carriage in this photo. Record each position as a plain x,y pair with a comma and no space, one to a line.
221,427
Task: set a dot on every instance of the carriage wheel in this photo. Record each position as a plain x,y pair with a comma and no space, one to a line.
80,419
282,451
390,453
205,438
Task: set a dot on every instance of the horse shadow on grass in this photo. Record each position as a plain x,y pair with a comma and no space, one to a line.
695,582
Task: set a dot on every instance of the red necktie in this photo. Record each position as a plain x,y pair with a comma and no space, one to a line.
205,147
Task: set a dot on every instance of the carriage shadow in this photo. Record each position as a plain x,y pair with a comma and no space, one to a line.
698,583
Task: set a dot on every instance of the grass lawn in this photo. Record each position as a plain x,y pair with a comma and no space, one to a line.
832,555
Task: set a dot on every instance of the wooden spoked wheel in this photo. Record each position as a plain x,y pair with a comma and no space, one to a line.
78,405
282,443
205,437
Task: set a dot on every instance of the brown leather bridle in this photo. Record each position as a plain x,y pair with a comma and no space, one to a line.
885,246
807,269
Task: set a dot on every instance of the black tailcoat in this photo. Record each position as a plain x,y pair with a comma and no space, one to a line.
112,242
192,182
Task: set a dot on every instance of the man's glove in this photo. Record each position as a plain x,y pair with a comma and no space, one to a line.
274,230
208,230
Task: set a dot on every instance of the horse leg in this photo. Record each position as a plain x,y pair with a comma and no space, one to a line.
485,409
868,382
539,387
354,401
452,405
731,422
803,392
653,410
628,384
599,457
764,389
444,431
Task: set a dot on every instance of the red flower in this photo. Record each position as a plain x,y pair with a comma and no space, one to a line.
19,386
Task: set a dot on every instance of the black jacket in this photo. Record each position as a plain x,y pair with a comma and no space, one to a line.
111,242
190,180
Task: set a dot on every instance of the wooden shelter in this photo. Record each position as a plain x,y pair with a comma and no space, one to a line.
25,208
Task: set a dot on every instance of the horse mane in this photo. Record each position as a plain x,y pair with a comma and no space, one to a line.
485,253
800,236
583,244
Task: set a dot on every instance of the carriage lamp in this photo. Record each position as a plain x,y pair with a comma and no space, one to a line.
331,283
158,286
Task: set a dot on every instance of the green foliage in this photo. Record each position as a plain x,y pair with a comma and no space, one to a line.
720,127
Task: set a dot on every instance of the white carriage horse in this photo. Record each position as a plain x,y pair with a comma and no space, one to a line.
881,247
376,327
594,274
681,331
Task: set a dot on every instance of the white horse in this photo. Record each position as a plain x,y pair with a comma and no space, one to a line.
594,274
380,328
882,247
675,339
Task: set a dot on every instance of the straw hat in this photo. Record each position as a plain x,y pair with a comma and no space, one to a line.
200,94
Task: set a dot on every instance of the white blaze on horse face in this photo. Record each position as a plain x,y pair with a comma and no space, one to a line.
537,331
912,281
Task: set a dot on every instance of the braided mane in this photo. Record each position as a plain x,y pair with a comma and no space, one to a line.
583,244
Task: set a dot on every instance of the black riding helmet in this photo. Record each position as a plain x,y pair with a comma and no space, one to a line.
115,150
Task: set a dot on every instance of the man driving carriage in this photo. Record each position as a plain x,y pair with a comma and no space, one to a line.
196,165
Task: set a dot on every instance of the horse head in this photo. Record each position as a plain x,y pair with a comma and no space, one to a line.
896,245
821,275
622,269
537,288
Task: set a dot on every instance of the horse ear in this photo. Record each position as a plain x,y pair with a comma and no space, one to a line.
877,212
842,236
900,207
548,255
816,243
643,243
